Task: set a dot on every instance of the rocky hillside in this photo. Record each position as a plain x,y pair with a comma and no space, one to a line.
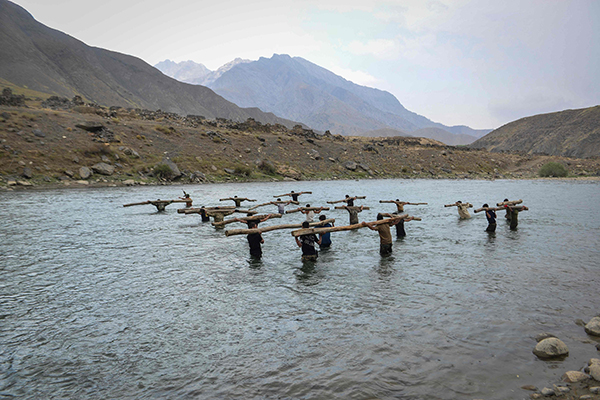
297,89
68,142
39,58
572,133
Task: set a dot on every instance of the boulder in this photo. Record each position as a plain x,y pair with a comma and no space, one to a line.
314,154
129,182
551,348
174,169
574,376
351,165
543,336
27,173
103,169
547,392
594,367
593,327
39,133
69,173
85,172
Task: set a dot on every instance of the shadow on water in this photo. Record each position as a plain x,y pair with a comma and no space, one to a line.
309,274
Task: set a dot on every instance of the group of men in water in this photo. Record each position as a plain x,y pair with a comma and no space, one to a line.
307,242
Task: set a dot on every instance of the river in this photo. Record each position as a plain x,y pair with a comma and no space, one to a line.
100,301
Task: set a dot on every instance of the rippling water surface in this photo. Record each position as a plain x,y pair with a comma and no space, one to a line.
99,301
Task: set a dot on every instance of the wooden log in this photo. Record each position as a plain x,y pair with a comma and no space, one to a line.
316,231
153,202
346,199
345,207
197,210
245,219
469,205
290,194
520,208
306,209
237,199
233,232
402,202
273,203
509,203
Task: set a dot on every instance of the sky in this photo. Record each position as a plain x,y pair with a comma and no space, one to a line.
480,63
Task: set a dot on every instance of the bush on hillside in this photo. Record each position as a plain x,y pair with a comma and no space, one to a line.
163,171
553,169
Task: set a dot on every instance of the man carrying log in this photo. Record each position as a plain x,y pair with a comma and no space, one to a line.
307,243
353,211
463,209
507,202
252,219
237,200
514,215
400,232
400,204
325,237
159,204
348,200
311,211
385,236
254,241
490,214
293,195
187,198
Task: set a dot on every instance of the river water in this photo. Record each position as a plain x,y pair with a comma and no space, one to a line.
99,301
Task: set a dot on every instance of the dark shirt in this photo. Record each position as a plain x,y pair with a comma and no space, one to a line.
254,240
205,218
308,244
350,202
295,196
491,216
326,237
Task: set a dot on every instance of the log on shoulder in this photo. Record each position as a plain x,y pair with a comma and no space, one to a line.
233,232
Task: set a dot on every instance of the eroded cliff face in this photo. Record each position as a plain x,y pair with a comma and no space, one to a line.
570,133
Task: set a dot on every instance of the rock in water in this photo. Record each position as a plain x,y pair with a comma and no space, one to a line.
593,327
551,348
574,376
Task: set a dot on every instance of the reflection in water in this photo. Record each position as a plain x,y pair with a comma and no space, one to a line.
100,301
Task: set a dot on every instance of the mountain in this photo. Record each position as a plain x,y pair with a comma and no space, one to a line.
297,89
43,59
572,133
183,71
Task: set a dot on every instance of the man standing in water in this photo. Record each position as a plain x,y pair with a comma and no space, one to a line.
254,241
385,236
463,209
325,237
514,216
491,218
307,242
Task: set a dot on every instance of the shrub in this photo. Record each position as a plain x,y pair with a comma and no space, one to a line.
243,170
553,169
267,167
165,129
163,171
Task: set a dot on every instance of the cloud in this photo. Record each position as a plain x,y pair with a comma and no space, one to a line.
381,48
358,77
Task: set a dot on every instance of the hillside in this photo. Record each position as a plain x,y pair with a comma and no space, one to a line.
571,133
43,59
295,88
68,143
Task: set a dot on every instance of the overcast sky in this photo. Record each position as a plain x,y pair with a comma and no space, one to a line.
481,63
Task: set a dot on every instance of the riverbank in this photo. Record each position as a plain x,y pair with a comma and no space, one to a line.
62,143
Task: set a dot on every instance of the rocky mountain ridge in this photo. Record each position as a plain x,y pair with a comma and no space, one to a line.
70,142
46,60
295,88
570,133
